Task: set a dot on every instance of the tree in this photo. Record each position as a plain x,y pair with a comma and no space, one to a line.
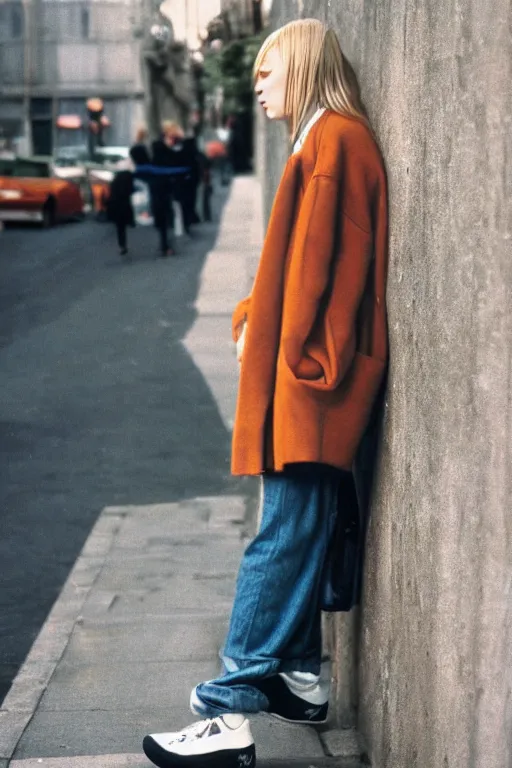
230,68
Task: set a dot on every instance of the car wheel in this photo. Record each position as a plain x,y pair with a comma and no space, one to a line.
48,214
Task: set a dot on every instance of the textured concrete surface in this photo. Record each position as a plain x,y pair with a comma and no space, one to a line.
342,743
341,633
436,643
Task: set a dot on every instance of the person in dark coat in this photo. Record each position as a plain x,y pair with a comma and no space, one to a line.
205,165
141,158
119,206
167,154
139,152
189,184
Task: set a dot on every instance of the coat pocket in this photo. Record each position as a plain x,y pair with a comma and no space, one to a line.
347,410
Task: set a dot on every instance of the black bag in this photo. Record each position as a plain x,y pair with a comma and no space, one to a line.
342,570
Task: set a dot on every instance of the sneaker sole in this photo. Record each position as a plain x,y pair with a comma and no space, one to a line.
226,758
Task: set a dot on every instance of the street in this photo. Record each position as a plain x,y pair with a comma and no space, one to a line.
101,402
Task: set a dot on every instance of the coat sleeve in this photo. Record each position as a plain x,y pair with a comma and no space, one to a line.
327,278
240,317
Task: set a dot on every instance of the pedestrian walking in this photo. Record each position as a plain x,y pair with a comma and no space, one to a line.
225,135
207,185
189,183
139,151
167,157
312,346
119,206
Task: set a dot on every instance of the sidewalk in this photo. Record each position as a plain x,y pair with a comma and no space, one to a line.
143,614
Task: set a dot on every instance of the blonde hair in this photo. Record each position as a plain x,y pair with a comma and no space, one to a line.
141,134
172,128
318,74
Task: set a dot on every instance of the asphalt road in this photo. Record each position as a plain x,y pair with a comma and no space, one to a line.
101,403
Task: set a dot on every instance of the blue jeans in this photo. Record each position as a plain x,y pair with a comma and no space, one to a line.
276,620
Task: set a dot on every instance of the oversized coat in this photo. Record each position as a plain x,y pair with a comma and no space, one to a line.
316,340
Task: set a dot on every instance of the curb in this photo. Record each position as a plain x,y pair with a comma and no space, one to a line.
33,677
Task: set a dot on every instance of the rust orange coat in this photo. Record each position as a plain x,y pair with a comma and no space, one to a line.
316,340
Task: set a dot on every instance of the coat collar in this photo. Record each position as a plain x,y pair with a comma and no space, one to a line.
302,138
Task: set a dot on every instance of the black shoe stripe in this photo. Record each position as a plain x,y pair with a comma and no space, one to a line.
226,758
287,705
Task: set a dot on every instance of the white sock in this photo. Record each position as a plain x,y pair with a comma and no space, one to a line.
233,721
301,679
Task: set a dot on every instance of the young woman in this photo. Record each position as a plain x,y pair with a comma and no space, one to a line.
312,342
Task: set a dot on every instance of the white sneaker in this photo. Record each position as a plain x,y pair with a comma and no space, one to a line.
221,742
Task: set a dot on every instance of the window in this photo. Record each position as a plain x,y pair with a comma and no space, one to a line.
84,23
16,22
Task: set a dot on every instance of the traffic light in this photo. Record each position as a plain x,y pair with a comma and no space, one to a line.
97,123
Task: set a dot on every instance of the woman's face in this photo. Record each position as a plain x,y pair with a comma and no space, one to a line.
270,85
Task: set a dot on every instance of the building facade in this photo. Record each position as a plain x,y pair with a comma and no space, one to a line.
56,54
245,17
190,19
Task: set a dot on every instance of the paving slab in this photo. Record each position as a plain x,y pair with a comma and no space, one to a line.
154,533
157,639
57,734
125,686
31,682
213,552
207,594
85,761
12,725
343,742
276,739
60,734
140,761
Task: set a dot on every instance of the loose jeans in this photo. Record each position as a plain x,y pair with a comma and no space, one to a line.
276,622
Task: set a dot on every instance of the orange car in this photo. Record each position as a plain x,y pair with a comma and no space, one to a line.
29,192
100,179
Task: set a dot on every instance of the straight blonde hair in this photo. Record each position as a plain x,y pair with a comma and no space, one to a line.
172,128
318,74
141,134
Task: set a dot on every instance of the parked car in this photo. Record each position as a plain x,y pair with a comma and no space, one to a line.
109,157
100,179
29,191
71,156
71,163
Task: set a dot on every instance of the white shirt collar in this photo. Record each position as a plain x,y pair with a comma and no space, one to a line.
302,138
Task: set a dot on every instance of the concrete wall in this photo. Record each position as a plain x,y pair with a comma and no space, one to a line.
435,673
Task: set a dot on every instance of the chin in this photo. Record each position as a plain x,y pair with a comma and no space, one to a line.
273,115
